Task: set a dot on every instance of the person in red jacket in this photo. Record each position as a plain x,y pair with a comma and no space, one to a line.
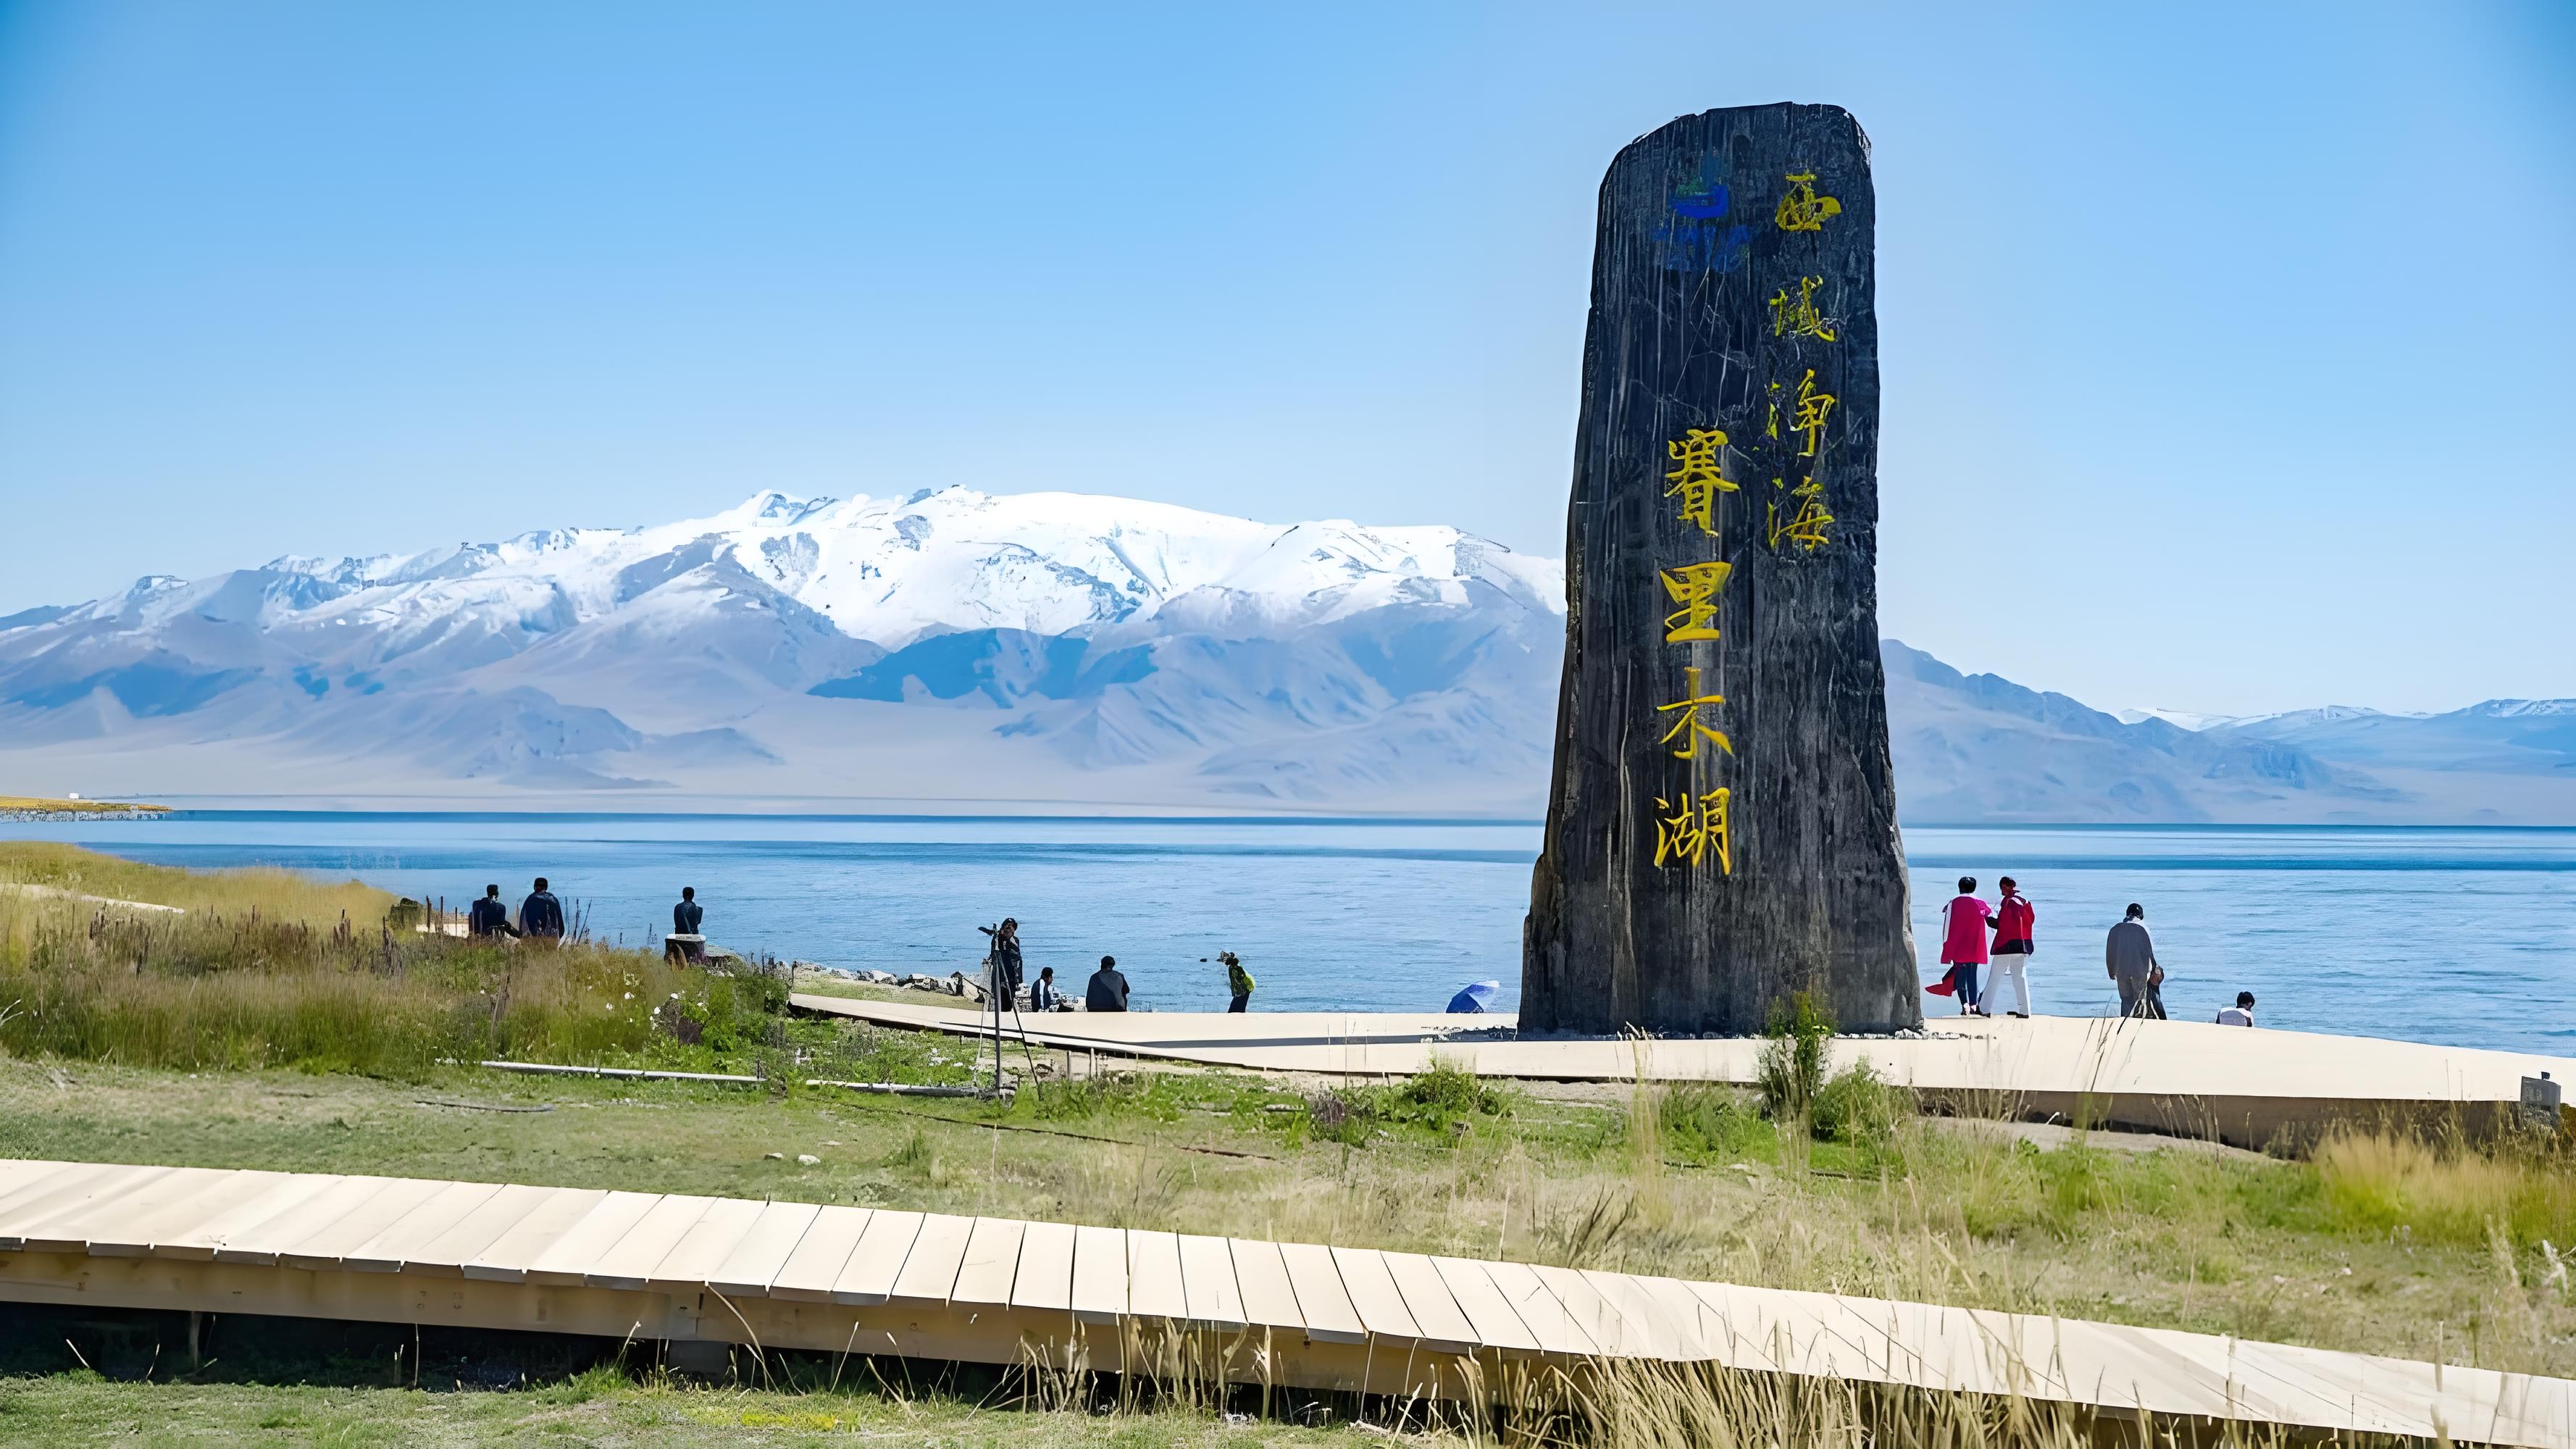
2013,917
1963,942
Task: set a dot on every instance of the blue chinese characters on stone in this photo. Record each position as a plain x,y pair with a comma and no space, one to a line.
1696,240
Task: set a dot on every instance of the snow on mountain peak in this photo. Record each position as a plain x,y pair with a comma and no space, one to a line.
891,570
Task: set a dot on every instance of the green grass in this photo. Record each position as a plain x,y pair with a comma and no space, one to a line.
2407,1247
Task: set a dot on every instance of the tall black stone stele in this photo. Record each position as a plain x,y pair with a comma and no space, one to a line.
1722,827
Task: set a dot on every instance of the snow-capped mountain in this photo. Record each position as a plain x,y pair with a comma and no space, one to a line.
1051,648
747,653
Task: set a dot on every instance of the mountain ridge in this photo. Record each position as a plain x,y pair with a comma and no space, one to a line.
1037,647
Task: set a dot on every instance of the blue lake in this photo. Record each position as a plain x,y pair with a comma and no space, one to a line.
2462,936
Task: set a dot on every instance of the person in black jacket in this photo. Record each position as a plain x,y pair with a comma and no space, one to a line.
686,943
541,915
489,917
1108,989
1006,953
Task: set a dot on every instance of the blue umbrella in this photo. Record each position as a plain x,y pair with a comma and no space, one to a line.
1471,1000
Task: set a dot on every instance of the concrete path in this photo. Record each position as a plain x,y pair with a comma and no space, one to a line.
2197,1079
1005,1291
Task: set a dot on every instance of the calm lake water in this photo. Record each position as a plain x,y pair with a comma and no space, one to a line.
2461,936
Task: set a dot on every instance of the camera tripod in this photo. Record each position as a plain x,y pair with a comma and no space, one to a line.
999,993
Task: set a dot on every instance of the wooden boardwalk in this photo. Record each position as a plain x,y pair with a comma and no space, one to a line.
1003,1291
2193,1078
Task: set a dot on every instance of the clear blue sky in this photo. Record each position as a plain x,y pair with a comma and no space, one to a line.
2228,349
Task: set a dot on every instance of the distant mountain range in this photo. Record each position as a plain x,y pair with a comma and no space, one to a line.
954,648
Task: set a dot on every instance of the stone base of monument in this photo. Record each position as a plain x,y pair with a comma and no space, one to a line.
2252,1088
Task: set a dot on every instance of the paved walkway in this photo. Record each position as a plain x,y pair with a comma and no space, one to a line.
2194,1078
1000,1290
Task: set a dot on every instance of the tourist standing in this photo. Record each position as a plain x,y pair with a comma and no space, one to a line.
1237,980
541,915
1108,988
1005,954
2129,957
1963,942
2013,919
2241,1014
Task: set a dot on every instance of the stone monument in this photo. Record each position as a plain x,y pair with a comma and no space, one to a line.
1721,829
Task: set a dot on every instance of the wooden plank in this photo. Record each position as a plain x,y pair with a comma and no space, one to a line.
1374,1296
69,1194
874,1264
468,1236
507,1258
258,1243
1435,1311
630,1262
1496,1325
1322,1300
387,1251
139,1237
1045,1279
1268,1299
1664,1336
747,1271
704,1247
810,1271
41,1179
18,1172
198,1241
938,1250
1207,1282
1154,1288
1691,1320
1099,1274
1539,1310
40,1195
322,1249
992,1261
579,1245
1591,1312
121,1224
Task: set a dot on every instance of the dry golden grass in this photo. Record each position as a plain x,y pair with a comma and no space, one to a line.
266,968
273,895
69,807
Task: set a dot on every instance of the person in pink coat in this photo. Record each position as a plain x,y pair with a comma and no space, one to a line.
1964,927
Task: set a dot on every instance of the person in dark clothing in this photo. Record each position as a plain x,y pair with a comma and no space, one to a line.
541,915
1108,989
2129,958
1006,953
1042,993
687,944
489,917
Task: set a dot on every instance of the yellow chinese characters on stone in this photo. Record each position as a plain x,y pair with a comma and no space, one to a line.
1809,414
1694,587
1697,480
1797,316
1804,524
1801,209
1688,726
1688,832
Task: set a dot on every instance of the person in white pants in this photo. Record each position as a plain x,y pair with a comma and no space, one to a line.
2010,990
